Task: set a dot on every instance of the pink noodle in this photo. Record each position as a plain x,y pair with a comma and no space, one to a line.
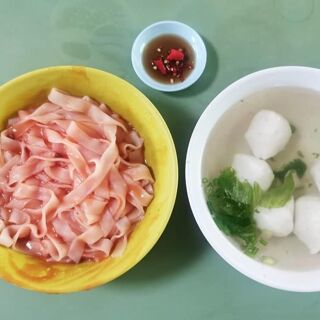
73,182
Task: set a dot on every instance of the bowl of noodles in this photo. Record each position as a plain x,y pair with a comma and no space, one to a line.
88,178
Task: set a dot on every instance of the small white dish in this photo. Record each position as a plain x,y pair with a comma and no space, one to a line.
302,271
172,28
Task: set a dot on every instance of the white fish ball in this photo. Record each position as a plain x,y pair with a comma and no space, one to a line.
315,172
278,221
268,134
307,222
253,170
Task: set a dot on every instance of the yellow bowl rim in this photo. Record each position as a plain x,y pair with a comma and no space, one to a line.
173,154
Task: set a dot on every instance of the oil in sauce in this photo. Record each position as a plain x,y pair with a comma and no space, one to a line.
175,70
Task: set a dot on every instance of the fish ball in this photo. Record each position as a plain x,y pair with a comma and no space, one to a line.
278,221
268,134
253,170
307,222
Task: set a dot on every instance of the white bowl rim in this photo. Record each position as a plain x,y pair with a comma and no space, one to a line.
289,280
201,58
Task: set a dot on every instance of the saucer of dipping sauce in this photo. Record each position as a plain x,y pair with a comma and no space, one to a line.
168,56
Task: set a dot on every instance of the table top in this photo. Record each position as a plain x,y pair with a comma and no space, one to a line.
182,277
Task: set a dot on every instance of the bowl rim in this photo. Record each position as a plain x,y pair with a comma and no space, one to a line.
173,158
288,280
201,58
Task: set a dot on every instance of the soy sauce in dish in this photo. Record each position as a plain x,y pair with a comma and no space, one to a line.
168,59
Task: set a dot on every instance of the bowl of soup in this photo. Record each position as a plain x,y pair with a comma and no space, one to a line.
87,186
252,176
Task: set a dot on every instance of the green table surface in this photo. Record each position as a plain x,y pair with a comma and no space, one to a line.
182,277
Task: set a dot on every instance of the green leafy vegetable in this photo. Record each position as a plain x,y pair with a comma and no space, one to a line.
296,165
232,204
279,195
263,242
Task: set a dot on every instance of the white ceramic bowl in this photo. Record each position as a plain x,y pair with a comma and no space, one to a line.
304,276
173,28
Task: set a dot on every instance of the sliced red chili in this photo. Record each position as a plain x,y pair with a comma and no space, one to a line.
160,65
175,54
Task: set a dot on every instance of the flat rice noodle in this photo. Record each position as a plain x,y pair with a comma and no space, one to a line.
19,217
92,235
107,223
90,156
4,214
81,137
110,133
78,117
2,225
123,226
135,216
88,99
76,250
61,125
70,103
148,187
44,109
27,191
118,190
30,168
92,129
62,175
33,246
72,218
13,120
22,232
59,249
103,190
9,144
72,151
114,206
98,116
67,102
137,192
7,155
73,183
24,113
10,234
120,247
92,209
135,202
5,238
63,230
25,155
48,212
135,156
21,128
139,172
5,169
17,203
94,180
34,141
104,245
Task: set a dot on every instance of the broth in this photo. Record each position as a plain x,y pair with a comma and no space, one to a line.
301,107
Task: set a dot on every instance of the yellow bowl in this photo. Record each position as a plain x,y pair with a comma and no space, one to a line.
31,89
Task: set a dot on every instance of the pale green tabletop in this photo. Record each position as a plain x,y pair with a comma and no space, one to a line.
182,277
